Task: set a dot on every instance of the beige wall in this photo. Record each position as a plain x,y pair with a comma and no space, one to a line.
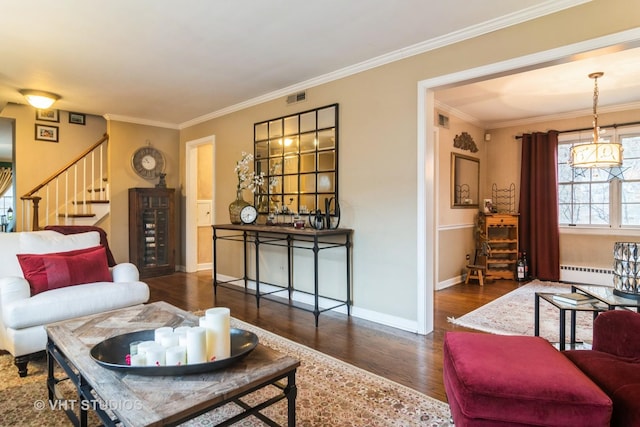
124,140
38,160
455,225
378,143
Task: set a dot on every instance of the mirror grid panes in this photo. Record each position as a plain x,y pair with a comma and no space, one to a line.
465,181
298,155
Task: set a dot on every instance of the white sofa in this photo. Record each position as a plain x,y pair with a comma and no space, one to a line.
22,316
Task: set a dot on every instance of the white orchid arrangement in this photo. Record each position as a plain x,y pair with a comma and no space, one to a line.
247,179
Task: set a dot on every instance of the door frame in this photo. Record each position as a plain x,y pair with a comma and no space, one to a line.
191,201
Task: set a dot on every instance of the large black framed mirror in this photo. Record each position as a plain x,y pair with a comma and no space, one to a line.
465,181
298,155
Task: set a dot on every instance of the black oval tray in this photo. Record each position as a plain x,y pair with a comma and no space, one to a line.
111,353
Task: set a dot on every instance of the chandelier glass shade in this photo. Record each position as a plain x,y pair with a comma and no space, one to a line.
596,154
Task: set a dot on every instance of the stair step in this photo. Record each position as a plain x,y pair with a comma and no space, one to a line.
76,215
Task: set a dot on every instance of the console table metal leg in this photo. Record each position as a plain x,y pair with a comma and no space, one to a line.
257,244
316,249
245,277
290,266
215,262
347,248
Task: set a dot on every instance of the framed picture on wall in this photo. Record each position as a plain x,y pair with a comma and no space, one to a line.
50,115
46,133
77,118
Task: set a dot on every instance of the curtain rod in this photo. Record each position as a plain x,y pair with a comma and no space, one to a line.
615,125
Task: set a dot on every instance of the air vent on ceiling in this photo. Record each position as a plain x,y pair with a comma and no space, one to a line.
296,97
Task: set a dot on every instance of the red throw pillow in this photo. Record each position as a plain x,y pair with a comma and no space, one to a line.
58,270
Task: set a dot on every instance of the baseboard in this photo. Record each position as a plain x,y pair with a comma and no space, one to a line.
449,282
360,313
199,267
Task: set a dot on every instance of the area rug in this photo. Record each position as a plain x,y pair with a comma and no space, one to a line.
513,314
330,393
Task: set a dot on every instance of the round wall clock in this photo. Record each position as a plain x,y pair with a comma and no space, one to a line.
148,162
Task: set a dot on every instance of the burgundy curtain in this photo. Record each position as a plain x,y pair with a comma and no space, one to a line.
539,231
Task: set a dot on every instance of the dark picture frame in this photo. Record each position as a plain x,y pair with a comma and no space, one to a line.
46,133
50,115
77,118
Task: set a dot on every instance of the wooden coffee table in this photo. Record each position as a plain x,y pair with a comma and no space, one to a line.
135,400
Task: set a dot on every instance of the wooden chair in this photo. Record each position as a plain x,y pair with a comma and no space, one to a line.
476,270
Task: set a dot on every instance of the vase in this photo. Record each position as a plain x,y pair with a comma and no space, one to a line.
235,207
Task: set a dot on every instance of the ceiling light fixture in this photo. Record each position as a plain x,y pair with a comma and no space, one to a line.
596,154
39,99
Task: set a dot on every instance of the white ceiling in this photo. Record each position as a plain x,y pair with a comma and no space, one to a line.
563,89
171,62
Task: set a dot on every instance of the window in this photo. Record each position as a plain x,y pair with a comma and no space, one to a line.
600,197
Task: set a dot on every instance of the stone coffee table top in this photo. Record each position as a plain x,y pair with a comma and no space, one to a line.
149,400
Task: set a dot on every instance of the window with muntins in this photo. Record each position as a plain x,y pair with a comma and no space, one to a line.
598,197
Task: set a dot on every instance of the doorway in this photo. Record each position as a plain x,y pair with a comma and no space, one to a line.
7,175
199,203
427,185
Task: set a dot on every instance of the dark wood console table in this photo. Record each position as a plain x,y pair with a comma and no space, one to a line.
289,238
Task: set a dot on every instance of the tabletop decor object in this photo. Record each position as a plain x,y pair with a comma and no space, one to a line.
626,269
247,180
115,353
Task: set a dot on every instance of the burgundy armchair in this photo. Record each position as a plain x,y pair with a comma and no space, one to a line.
614,363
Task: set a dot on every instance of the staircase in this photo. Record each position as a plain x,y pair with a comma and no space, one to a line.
78,194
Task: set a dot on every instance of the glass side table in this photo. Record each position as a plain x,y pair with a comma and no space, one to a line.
595,307
606,295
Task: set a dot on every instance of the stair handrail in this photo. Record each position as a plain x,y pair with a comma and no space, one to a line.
104,138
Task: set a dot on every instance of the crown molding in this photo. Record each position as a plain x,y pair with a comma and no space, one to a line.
138,121
546,8
563,116
459,114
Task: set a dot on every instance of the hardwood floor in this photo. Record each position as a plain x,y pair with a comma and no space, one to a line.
407,358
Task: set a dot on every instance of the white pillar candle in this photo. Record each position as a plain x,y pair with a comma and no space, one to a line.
181,330
133,347
176,356
182,339
211,338
138,360
169,340
196,345
144,345
155,355
160,332
220,319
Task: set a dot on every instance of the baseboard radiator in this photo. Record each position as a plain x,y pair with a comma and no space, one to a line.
586,275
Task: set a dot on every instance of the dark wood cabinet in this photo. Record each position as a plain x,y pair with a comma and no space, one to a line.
152,230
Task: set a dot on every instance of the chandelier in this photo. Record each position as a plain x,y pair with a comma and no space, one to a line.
596,154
